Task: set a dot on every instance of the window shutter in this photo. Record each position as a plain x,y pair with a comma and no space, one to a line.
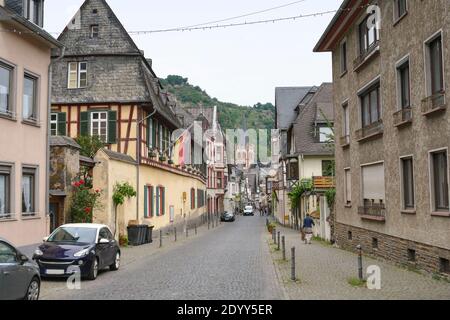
152,210
163,201
149,143
145,201
154,126
157,201
62,130
84,123
112,127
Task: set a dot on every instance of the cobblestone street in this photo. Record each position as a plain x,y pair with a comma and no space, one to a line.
324,272
231,261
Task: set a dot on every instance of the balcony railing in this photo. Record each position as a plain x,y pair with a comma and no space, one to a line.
323,182
366,55
370,131
373,211
403,116
434,103
344,141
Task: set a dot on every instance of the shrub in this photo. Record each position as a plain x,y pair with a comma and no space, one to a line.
84,201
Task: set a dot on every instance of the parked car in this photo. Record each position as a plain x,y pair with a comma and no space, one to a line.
227,217
248,211
89,247
19,277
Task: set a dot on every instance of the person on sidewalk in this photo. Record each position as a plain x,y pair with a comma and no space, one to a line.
308,224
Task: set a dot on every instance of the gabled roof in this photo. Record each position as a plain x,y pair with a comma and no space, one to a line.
62,141
286,100
118,156
344,18
319,109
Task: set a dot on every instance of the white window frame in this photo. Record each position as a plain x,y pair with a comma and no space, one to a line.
94,30
35,186
12,68
402,189
345,107
82,72
10,194
341,60
363,90
35,79
362,178
347,203
55,122
431,176
99,120
427,62
77,73
400,63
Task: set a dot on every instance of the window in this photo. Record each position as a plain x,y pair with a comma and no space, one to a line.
94,31
324,134
404,91
345,120
5,89
368,36
411,255
444,265
348,187
343,57
7,254
5,191
200,198
435,65
29,110
350,235
160,137
28,191
94,11
439,175
33,11
327,168
218,154
374,243
54,124
161,201
192,198
407,175
400,8
219,181
370,105
99,125
77,75
373,184
149,206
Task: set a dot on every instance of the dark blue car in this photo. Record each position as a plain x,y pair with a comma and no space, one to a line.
85,248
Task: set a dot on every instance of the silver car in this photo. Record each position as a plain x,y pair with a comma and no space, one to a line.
19,276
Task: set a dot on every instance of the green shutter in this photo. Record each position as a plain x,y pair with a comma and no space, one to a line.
62,131
157,201
163,191
112,127
149,143
155,125
152,201
145,201
84,123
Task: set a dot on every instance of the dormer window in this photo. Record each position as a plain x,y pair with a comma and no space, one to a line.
33,10
94,31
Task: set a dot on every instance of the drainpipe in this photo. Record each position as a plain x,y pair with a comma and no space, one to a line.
138,158
47,151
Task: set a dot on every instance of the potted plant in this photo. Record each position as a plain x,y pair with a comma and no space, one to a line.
162,158
170,162
152,154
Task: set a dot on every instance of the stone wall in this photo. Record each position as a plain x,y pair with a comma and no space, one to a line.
391,248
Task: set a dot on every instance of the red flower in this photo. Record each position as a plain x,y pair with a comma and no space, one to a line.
97,191
81,182
88,210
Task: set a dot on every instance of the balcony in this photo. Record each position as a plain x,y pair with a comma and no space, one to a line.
371,131
403,117
434,103
373,211
323,182
366,56
344,141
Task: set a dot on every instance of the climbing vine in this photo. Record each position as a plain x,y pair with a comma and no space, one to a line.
304,186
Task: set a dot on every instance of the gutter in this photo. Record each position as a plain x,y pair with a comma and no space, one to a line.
49,106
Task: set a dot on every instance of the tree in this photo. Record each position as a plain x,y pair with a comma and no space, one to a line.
89,145
121,192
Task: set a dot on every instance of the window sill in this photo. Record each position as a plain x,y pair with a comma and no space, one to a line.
358,65
343,73
443,214
348,206
373,218
411,212
7,117
31,123
397,20
31,217
10,219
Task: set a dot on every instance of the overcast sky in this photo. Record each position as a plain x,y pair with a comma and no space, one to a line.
242,65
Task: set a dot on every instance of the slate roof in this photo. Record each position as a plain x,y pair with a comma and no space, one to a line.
311,114
286,100
118,71
118,156
62,141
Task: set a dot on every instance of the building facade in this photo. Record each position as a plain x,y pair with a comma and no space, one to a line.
104,86
24,95
390,80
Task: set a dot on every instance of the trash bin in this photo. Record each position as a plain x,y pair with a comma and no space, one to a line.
142,233
148,238
133,235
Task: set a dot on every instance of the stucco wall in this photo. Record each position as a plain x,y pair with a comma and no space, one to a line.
311,166
424,19
22,144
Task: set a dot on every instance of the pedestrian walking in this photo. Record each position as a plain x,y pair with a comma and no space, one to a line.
307,230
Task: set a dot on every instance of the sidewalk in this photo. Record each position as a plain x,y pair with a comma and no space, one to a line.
324,272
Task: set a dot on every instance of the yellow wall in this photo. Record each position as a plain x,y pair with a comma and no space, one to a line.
311,166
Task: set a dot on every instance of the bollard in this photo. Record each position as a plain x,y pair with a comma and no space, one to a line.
175,232
278,240
283,247
195,226
160,238
360,266
293,277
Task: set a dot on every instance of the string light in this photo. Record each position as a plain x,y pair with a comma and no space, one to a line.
217,26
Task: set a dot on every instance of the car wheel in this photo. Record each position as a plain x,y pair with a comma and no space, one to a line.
94,270
116,265
33,290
